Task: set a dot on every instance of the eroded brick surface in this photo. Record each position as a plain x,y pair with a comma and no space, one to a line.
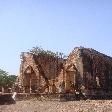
84,69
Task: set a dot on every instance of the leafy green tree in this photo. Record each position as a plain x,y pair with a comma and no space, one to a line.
10,80
3,77
6,80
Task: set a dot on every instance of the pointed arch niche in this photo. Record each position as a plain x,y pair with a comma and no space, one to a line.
71,74
30,80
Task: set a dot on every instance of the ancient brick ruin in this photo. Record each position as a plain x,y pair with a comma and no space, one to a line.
84,70
38,73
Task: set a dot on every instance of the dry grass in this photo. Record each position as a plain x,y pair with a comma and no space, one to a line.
56,106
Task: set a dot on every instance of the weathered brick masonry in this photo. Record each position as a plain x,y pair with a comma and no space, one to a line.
84,69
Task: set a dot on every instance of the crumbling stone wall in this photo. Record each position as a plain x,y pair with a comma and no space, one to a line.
72,71
87,69
84,69
97,70
39,72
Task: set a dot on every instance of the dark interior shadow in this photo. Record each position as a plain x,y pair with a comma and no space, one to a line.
79,97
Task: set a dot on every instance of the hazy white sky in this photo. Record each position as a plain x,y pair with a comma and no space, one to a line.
58,25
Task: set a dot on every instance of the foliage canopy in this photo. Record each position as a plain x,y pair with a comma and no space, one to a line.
38,50
6,80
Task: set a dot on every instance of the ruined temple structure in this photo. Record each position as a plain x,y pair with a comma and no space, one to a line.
84,70
38,73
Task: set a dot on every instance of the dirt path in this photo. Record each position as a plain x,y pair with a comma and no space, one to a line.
56,106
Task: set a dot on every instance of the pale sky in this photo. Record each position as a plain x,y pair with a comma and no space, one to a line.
58,25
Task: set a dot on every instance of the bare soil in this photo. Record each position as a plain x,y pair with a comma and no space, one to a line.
57,106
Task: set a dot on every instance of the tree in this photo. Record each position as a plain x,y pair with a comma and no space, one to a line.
10,80
6,80
38,50
3,77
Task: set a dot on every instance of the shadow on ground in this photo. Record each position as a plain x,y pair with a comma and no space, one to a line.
6,99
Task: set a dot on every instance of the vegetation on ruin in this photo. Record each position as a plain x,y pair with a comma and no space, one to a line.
6,80
38,50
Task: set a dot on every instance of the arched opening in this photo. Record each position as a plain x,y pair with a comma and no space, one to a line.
71,78
30,80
